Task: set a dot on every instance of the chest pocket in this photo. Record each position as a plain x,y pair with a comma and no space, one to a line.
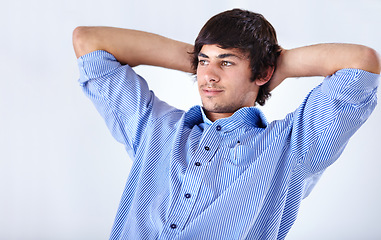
241,155
228,164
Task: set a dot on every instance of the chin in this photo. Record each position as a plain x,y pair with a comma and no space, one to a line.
220,109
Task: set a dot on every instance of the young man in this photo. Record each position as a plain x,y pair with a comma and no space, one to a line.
220,171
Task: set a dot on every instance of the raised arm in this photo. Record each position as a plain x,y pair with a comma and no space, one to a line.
134,47
324,60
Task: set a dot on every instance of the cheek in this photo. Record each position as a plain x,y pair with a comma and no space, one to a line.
198,76
199,83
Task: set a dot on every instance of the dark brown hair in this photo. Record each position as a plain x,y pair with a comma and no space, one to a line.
247,31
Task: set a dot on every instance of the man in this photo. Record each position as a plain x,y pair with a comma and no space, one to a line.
220,171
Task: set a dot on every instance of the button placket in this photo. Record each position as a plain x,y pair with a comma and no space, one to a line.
193,179
188,195
173,226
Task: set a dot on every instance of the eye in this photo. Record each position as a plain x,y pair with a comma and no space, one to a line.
202,62
226,63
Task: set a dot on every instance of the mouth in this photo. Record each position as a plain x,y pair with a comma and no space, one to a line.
211,91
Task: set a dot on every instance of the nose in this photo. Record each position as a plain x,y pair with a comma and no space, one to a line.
210,74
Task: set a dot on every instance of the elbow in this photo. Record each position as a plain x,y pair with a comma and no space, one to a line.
83,43
371,61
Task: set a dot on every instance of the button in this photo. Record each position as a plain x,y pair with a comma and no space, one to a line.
206,148
197,164
187,195
218,128
173,226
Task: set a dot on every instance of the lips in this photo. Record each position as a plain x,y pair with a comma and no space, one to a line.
211,91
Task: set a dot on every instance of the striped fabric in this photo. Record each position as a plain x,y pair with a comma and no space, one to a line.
235,178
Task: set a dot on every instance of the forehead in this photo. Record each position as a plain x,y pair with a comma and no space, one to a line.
215,51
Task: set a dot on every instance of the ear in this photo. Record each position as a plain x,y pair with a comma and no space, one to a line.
264,80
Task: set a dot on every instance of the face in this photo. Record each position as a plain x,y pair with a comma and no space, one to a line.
223,77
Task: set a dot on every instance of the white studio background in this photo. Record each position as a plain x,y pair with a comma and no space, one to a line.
62,174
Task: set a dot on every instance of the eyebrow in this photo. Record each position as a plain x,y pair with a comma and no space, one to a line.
220,56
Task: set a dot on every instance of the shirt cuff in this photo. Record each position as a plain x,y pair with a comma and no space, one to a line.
352,85
95,65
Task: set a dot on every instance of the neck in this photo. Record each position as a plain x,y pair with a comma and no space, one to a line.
213,116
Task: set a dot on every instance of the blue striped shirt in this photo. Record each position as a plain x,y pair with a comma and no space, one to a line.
236,178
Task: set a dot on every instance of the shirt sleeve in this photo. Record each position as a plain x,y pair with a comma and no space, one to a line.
330,115
120,95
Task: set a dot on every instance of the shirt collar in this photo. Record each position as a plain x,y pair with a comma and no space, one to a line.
204,117
250,116
193,117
